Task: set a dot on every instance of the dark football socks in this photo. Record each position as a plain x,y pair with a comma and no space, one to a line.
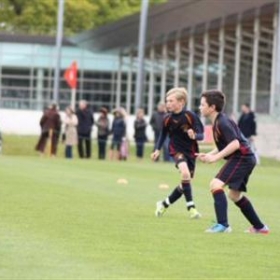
249,212
174,196
187,191
220,205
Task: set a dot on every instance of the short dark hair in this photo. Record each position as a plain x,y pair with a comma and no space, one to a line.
215,97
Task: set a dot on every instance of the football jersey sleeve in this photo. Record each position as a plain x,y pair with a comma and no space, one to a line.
227,130
197,126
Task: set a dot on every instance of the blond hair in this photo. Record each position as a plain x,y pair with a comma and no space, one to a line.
180,92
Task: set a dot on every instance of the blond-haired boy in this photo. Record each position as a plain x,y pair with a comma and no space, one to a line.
184,128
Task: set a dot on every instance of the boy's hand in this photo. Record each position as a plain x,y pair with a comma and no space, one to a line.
155,155
200,156
206,158
191,134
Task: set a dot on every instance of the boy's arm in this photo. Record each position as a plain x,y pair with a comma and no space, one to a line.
159,144
213,157
199,129
228,150
197,133
161,139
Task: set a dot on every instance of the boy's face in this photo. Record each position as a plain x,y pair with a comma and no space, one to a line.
174,105
205,109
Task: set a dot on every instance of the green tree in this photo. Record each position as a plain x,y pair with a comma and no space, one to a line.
40,16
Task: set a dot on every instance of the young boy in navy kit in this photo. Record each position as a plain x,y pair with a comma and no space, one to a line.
184,128
240,162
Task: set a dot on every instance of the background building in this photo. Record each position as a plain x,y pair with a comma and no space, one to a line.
230,45
27,73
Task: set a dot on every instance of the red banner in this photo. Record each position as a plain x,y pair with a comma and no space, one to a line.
70,75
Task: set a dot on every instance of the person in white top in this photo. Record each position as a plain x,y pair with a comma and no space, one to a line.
70,138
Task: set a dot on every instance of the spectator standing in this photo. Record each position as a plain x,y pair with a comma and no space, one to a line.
85,123
248,126
70,131
102,132
118,131
124,149
156,122
140,133
50,129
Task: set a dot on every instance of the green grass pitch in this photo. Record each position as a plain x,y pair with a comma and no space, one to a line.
62,219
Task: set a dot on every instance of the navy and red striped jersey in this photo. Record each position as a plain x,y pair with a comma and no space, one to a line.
225,130
176,126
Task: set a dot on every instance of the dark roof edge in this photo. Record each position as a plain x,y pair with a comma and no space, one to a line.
165,19
33,39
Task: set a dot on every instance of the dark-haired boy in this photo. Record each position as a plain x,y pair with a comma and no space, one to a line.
240,162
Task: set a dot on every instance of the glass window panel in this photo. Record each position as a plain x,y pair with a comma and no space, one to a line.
16,71
15,92
18,82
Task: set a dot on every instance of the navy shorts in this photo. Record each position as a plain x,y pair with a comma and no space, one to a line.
179,157
236,172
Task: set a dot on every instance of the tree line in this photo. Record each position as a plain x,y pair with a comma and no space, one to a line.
39,17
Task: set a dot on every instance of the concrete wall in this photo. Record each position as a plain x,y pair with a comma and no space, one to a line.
268,139
23,122
27,123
